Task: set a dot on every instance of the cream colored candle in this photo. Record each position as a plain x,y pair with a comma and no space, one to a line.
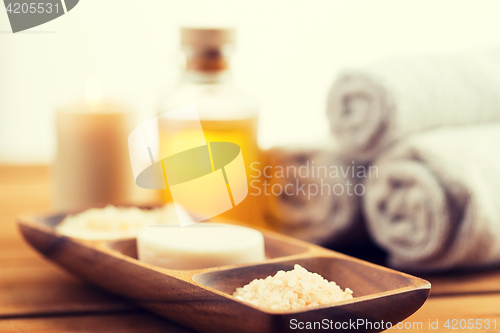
200,245
92,165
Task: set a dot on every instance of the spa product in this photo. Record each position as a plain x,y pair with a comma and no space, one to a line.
227,113
199,245
115,222
434,206
292,290
370,108
315,194
92,167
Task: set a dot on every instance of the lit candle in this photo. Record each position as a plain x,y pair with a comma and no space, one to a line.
92,166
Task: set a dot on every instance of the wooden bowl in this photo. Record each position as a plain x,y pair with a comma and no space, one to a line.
201,299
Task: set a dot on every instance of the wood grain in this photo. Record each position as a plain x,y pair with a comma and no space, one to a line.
45,289
202,299
466,283
466,307
30,284
27,188
120,322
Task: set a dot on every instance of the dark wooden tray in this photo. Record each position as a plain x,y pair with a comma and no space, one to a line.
201,299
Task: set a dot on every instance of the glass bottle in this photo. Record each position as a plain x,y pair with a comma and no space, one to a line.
226,112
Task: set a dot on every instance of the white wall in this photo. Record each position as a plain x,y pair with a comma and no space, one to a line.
288,53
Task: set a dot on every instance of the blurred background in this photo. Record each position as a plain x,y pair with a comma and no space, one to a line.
401,88
288,53
399,101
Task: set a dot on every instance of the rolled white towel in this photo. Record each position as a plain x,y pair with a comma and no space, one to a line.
435,204
372,107
315,196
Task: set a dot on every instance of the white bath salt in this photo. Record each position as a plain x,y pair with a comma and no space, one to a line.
292,290
116,222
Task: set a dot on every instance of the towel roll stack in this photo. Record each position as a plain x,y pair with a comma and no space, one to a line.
371,108
312,195
435,205
426,125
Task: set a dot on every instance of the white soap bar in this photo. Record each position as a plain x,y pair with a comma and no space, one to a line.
200,245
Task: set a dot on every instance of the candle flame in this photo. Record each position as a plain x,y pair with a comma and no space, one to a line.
93,92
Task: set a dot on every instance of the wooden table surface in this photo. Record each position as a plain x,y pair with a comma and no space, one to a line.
38,296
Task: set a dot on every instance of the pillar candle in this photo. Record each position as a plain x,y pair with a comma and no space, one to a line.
92,166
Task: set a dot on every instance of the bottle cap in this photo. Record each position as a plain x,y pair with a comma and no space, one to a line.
207,38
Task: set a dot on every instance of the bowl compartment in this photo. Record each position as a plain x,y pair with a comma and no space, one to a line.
274,247
363,278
